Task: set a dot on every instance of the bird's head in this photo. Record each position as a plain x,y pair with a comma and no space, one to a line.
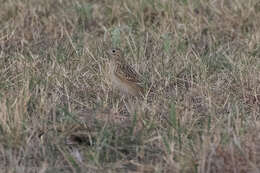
116,53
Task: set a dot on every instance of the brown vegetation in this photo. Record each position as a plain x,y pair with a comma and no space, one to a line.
59,113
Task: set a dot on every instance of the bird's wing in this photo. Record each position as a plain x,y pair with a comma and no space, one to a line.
127,72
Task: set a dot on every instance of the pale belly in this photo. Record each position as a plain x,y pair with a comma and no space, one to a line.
124,86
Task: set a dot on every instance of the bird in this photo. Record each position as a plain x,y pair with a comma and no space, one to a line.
122,75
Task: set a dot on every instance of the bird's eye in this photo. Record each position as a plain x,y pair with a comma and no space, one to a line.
113,50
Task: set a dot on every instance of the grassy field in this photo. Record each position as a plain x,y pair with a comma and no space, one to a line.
59,112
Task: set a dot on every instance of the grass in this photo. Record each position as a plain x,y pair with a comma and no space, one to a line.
59,113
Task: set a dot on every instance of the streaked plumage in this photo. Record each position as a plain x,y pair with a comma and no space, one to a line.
123,76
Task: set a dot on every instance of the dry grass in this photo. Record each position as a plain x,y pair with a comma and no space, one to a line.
59,113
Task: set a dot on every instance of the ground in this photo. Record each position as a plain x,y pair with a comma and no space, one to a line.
199,62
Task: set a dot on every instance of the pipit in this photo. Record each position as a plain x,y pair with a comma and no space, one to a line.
122,75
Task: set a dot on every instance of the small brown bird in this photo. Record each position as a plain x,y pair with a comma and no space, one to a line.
123,76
